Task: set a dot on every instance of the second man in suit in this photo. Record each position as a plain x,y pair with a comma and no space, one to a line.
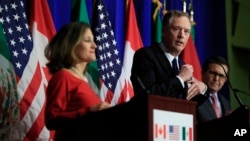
214,75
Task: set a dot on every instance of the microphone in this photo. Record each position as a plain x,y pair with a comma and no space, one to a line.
230,85
240,91
142,85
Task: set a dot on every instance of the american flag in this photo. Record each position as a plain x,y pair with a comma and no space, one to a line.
29,73
174,132
16,30
109,63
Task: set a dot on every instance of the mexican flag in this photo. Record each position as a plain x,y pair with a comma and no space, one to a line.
9,112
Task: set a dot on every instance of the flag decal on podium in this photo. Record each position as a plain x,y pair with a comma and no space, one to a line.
174,132
187,134
160,131
169,126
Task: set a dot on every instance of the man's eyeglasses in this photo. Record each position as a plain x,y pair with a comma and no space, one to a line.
215,74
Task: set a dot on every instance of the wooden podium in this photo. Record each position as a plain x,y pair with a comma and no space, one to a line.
134,120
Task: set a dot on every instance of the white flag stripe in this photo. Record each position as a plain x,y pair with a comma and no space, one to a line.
28,73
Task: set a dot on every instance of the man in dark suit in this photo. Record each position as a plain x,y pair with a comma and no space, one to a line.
214,75
152,70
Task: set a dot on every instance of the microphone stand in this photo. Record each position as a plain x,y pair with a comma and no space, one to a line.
142,85
231,87
240,91
243,110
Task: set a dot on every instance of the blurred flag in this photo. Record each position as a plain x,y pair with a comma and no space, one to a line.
117,15
83,14
133,43
187,133
79,8
43,30
9,112
190,56
157,22
174,132
79,11
160,131
109,63
29,64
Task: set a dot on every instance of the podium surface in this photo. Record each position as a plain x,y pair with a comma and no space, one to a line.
143,119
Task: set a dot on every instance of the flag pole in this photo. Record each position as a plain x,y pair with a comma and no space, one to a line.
158,5
164,7
184,4
191,9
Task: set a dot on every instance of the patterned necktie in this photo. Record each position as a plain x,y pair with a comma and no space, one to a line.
175,68
215,105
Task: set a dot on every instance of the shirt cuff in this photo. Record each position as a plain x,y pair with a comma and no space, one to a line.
182,82
204,91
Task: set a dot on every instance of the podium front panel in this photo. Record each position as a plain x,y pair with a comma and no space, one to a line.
171,119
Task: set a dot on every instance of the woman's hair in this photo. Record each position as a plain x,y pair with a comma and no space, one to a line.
168,17
60,52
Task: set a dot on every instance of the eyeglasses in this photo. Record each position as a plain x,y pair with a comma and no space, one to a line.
215,74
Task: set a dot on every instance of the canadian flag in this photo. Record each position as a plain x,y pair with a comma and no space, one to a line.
133,42
160,131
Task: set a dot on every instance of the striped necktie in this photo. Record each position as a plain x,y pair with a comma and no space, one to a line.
216,106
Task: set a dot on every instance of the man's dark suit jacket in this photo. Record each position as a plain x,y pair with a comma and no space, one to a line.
153,69
205,111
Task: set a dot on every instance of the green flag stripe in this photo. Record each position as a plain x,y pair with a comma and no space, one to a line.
158,30
157,25
193,32
83,15
4,50
183,133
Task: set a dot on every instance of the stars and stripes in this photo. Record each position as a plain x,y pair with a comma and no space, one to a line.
16,29
108,55
109,63
174,132
28,66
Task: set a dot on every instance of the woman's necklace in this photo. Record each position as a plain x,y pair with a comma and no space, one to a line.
79,74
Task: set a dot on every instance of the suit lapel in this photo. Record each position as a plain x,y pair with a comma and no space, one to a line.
223,105
209,108
162,59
